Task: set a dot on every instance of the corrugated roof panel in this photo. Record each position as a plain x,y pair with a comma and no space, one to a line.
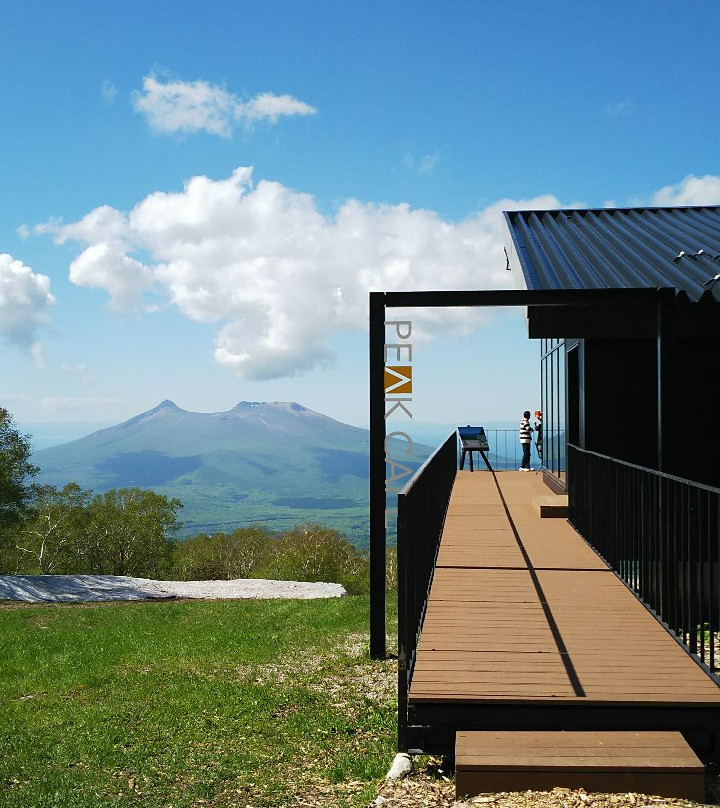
534,267
646,255
623,264
595,251
706,227
572,256
562,267
694,232
618,247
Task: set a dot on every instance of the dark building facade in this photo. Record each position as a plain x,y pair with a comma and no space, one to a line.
639,382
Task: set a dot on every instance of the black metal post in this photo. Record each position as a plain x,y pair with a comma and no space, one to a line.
377,477
404,627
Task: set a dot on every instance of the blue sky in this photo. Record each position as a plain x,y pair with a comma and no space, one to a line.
196,198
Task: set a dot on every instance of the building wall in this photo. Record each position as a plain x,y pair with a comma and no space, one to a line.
618,399
696,424
612,405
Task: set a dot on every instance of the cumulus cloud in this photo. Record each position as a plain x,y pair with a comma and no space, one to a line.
106,266
24,299
276,275
199,106
690,191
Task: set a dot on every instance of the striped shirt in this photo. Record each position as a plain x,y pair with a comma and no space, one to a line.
525,431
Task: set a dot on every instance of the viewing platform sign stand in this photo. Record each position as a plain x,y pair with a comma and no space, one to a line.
473,439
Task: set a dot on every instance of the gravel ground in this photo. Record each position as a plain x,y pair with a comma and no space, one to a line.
425,791
81,588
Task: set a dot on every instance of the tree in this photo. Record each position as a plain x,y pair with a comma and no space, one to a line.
15,473
52,537
125,531
129,531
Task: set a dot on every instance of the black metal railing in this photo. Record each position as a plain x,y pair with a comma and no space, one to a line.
505,451
422,506
661,535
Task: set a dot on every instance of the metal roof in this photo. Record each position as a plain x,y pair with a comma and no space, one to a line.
618,248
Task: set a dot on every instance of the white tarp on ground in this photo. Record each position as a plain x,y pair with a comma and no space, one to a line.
78,588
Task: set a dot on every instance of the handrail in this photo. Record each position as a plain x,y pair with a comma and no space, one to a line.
661,535
422,505
663,474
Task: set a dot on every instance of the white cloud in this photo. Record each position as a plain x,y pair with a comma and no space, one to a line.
52,226
104,224
276,275
690,191
269,107
24,298
199,106
106,266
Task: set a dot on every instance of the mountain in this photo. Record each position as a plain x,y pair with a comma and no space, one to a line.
275,463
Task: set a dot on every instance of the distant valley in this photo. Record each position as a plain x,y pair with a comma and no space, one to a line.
273,463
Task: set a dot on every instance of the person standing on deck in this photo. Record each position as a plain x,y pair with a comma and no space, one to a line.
525,440
538,433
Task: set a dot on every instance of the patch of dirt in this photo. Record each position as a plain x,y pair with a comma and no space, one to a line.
355,678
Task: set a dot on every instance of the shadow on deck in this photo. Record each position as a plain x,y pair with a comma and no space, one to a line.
526,628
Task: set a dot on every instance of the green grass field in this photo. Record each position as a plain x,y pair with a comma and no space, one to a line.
230,703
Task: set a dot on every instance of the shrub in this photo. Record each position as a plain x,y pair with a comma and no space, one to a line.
223,556
311,552
308,552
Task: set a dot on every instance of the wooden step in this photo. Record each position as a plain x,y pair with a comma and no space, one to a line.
659,763
552,505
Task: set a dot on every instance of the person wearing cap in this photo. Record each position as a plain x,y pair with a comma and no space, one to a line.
538,433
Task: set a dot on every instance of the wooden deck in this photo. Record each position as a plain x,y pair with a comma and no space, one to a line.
647,762
527,628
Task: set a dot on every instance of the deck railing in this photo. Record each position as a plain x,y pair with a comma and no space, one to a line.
506,451
661,534
422,506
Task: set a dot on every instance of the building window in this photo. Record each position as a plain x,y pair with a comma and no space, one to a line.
552,396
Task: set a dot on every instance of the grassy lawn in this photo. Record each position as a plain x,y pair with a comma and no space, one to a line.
230,703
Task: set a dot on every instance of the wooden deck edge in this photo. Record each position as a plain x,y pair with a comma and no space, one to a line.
552,506
678,786
657,763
